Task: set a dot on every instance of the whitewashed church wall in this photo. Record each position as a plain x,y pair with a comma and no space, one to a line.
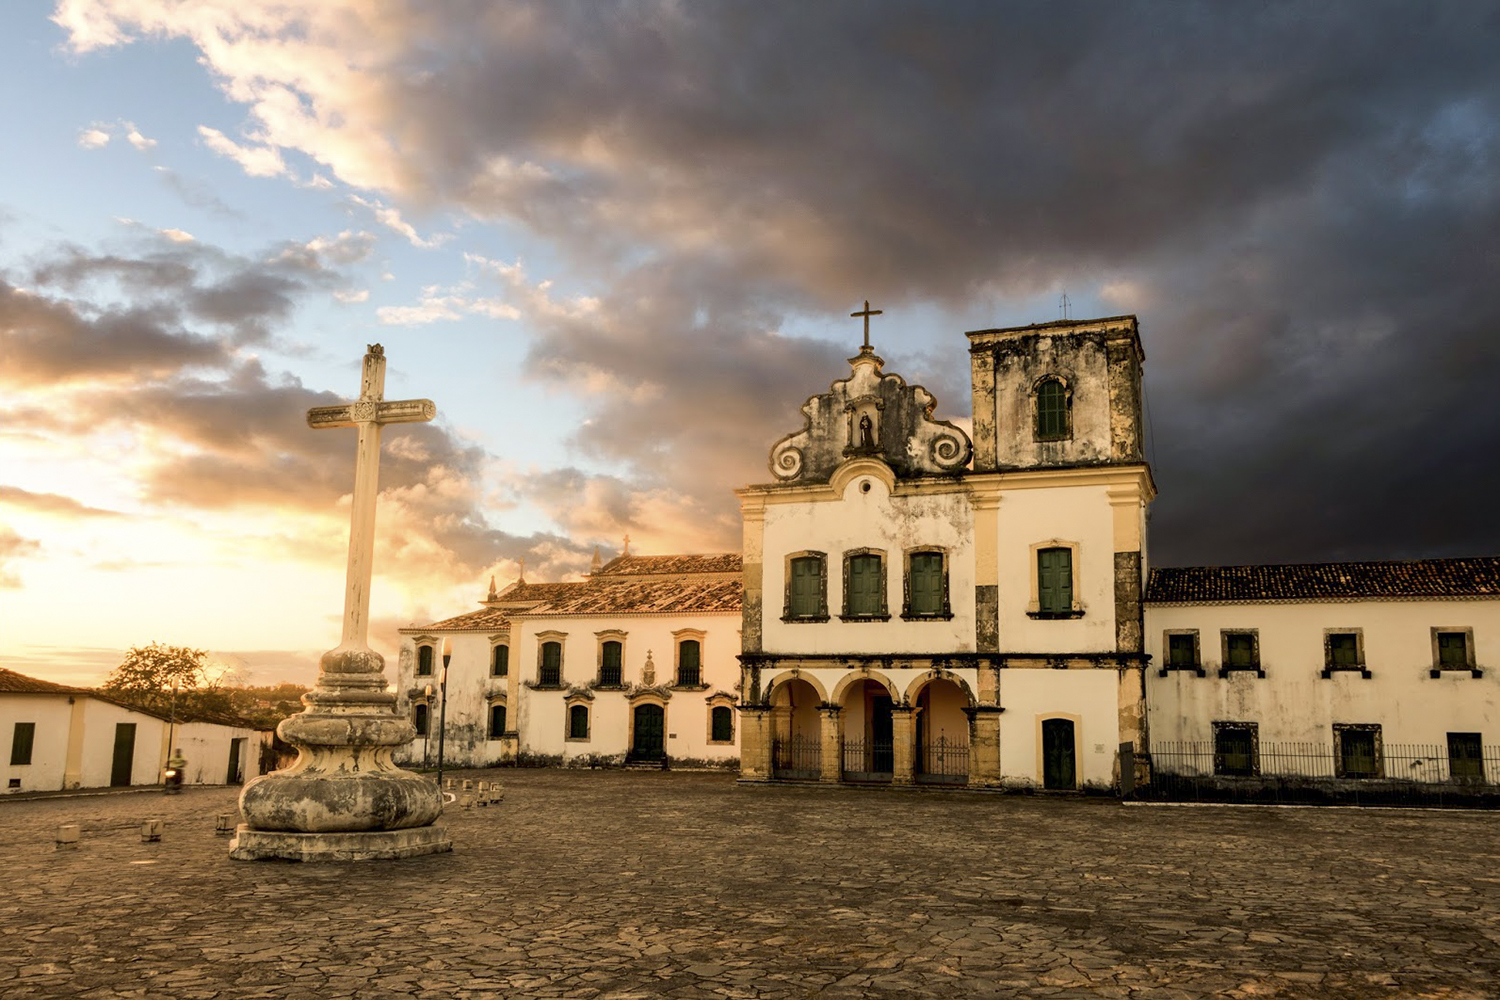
1294,703
871,519
49,750
470,693
1072,515
1089,698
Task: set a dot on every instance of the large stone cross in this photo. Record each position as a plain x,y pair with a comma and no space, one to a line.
867,313
369,413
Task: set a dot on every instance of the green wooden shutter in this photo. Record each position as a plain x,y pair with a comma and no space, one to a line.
807,583
22,742
551,663
1051,410
864,585
1453,649
688,660
1240,649
926,582
723,725
1055,580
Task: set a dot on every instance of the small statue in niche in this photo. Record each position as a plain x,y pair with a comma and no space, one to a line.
866,433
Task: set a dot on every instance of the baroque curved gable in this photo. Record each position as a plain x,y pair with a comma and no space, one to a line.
871,414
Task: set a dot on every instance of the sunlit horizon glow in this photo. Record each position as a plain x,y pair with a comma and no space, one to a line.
617,244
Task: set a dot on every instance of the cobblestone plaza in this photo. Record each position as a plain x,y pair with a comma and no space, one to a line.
647,884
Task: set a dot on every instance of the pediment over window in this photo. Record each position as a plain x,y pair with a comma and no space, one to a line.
871,414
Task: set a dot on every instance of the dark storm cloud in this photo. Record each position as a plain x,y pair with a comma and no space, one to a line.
1299,199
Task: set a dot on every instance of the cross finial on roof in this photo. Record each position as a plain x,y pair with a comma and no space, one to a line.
867,312
627,546
598,563
521,573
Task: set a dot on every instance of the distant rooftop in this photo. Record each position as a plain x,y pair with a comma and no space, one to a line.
14,683
632,565
1468,577
673,596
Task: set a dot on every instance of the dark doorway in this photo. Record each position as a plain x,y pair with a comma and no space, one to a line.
882,735
647,743
1059,765
119,772
236,774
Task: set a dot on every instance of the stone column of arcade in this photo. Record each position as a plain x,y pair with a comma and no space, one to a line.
344,799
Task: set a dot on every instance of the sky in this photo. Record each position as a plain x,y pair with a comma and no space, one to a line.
618,244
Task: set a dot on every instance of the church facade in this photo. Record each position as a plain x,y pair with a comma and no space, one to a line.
915,605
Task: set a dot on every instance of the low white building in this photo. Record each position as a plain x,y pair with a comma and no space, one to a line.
1382,669
63,737
637,662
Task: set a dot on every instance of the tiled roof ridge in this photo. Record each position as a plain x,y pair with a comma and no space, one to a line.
685,562
1454,576
14,682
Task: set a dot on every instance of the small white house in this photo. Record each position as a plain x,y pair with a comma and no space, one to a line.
636,663
63,737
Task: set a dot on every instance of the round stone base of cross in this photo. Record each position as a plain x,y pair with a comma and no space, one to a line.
363,845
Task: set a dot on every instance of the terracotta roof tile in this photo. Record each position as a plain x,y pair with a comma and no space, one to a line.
717,562
648,597
485,619
12,683
1472,577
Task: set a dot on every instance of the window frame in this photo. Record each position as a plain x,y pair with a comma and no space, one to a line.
426,646
1220,768
945,606
421,719
602,641
505,711
1470,665
1225,666
1034,609
543,640
20,748
679,638
501,669
1478,743
1167,666
1340,766
1359,666
574,709
882,608
717,702
1066,432
821,614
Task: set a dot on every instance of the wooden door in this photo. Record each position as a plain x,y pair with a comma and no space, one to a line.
649,742
120,769
1059,763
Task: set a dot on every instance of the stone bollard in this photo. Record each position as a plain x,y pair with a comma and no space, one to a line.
481,793
468,785
67,836
224,825
466,798
151,831
449,784
497,793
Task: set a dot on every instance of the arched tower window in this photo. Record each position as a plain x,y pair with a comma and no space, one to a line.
1053,411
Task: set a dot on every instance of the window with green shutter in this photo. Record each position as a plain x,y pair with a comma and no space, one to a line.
1182,652
1051,410
21,742
1055,580
1343,649
924,581
424,661
578,722
805,590
1239,650
864,587
1453,651
500,661
722,722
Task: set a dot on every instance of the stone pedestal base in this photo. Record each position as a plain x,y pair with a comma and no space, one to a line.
363,845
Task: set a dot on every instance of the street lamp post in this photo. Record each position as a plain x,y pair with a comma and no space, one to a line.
427,729
443,708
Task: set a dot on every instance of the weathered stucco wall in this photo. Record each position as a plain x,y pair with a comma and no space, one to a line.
1294,703
50,713
868,515
1087,697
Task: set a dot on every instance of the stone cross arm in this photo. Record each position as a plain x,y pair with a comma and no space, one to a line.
370,411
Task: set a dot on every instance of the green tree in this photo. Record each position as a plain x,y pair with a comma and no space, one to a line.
149,674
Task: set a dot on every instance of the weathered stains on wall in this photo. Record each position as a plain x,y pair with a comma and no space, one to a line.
875,415
1099,364
1128,627
987,618
1294,703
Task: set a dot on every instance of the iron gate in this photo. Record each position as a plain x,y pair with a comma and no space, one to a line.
797,758
943,762
869,760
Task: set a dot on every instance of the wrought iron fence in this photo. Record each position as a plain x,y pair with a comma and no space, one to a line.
797,758
869,760
1355,772
943,762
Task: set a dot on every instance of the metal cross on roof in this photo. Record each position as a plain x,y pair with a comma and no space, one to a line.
369,413
867,312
